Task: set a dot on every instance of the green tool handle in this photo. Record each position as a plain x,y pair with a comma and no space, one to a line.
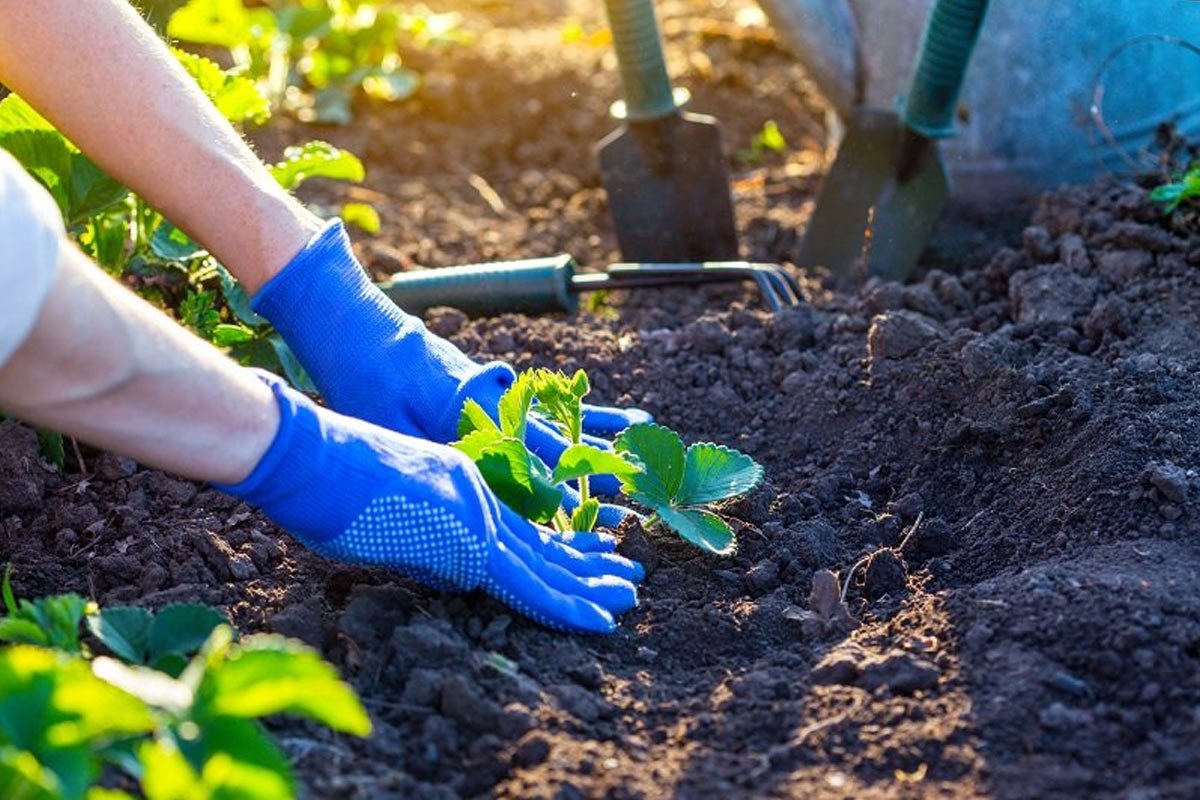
942,65
643,68
534,286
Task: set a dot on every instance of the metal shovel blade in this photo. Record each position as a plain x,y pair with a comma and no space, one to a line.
668,189
871,208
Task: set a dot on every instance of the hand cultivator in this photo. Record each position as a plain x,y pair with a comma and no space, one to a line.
544,285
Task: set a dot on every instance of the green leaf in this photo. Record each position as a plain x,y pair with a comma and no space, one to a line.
520,480
197,312
235,96
316,160
223,23
476,442
585,515
172,244
46,156
474,418
50,700
560,397
181,629
362,215
124,630
154,688
237,299
240,760
702,528
22,777
90,190
661,453
225,335
22,631
770,137
58,617
293,370
713,473
166,774
514,406
580,460
106,236
269,674
10,600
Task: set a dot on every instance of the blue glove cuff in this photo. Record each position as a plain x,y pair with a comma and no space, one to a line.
368,358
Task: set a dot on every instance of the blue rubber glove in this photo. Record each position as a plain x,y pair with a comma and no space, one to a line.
371,360
362,494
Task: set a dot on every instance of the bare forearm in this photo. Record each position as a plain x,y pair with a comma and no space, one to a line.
102,76
104,366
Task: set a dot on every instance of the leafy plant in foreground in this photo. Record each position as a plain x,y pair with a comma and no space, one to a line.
680,485
185,727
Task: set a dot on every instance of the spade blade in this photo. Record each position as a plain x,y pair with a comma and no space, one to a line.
865,208
668,189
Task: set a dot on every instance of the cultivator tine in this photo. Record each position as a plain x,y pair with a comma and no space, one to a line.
778,289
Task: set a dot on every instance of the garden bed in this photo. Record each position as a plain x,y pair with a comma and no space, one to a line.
1012,437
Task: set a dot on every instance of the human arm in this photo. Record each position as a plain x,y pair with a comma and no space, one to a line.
142,118
105,79
100,364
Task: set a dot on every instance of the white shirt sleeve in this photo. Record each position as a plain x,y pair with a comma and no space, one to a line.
31,233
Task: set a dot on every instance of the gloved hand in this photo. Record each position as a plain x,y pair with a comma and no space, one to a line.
373,361
362,494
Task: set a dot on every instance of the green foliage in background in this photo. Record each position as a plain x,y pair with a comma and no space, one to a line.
313,57
175,707
136,244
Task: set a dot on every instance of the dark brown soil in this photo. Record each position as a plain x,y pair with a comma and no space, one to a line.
1012,441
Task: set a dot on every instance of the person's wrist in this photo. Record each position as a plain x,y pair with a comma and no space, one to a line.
286,228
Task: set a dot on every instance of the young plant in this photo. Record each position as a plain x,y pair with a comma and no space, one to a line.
769,139
520,479
560,399
1173,194
682,486
177,710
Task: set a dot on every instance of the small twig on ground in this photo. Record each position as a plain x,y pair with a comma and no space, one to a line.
916,524
78,456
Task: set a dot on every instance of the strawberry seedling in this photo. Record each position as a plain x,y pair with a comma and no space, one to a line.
681,485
